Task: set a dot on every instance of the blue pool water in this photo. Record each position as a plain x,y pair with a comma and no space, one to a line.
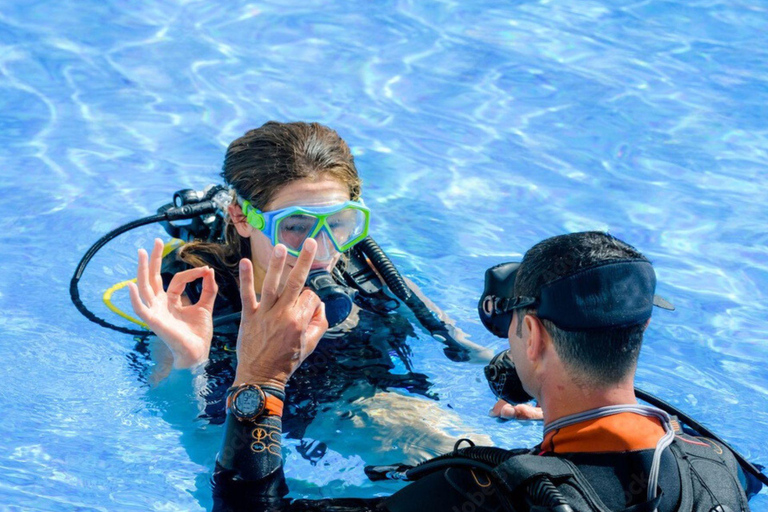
479,128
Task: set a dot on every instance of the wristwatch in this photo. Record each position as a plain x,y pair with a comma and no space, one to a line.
247,402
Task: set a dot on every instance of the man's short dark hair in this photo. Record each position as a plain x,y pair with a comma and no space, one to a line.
601,357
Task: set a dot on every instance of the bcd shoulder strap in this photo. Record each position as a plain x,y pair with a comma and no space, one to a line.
537,481
708,474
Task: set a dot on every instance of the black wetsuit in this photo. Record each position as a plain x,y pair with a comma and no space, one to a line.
373,356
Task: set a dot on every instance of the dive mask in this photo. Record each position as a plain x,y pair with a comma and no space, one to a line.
497,303
496,316
612,294
344,224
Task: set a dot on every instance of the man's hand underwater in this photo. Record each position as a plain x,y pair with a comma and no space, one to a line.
507,411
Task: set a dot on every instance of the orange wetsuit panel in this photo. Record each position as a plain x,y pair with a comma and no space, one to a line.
617,433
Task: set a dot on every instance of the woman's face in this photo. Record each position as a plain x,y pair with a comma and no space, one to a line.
307,192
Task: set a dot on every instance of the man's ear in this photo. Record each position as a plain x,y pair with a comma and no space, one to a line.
536,337
239,220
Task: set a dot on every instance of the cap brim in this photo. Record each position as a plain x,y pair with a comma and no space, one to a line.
661,302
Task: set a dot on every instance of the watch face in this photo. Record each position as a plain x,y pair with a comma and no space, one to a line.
249,402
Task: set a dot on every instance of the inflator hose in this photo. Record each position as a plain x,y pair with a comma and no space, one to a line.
426,317
483,457
181,213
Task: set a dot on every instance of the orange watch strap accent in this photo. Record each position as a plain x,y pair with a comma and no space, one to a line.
273,406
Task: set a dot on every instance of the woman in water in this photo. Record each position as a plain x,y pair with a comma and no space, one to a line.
292,181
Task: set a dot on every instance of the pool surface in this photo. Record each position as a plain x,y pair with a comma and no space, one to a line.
479,128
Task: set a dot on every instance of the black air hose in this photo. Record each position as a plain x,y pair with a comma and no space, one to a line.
181,213
484,457
386,268
543,493
426,317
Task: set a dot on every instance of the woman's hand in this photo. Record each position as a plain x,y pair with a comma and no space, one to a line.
507,411
187,329
277,334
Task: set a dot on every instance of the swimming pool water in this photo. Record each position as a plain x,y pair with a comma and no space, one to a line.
479,128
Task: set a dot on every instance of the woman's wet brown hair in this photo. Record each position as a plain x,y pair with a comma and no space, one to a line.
259,164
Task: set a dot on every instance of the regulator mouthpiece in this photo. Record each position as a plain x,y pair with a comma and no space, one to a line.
338,299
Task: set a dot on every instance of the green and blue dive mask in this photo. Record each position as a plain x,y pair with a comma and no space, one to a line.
344,224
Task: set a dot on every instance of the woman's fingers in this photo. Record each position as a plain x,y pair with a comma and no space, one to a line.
142,278
317,327
247,291
138,306
180,280
210,289
298,275
155,264
269,288
307,304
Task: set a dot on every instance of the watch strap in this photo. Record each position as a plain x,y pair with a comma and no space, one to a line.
273,406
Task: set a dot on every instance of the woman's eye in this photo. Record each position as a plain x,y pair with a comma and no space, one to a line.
296,228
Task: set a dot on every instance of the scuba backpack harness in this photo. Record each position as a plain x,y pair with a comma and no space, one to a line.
529,481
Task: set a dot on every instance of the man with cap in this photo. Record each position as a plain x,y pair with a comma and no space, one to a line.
574,311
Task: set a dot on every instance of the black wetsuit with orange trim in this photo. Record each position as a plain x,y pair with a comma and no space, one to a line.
613,453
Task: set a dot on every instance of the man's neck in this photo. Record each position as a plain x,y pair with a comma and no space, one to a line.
560,400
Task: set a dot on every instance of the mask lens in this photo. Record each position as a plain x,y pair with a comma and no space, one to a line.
347,226
294,230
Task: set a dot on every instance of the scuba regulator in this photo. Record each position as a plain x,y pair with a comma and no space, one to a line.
201,216
208,209
205,212
338,299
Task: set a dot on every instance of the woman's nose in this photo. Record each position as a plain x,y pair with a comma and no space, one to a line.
325,249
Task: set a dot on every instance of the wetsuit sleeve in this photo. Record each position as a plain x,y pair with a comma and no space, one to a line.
249,473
